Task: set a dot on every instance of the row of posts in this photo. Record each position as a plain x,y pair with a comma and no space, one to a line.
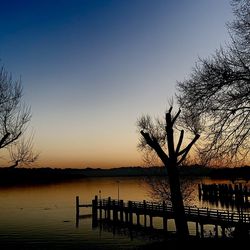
224,191
120,213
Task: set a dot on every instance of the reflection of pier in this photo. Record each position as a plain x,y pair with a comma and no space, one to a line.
228,195
131,231
142,214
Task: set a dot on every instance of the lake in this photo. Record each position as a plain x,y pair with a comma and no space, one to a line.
43,216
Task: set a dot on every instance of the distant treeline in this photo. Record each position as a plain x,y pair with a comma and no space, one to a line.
36,175
50,175
231,173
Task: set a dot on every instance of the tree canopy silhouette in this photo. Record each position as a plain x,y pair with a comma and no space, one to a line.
215,99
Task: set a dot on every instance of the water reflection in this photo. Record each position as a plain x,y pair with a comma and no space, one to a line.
158,190
132,231
43,216
226,195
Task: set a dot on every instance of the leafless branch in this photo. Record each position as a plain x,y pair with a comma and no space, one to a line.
217,93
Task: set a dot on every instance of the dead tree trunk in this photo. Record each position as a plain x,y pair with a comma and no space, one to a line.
177,201
171,161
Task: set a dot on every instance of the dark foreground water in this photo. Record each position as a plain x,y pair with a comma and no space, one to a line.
43,217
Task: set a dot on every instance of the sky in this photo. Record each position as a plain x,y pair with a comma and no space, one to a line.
91,68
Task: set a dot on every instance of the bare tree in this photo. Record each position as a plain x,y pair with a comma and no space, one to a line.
158,136
217,93
22,153
14,118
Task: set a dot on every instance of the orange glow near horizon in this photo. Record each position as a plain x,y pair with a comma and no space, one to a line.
95,158
91,164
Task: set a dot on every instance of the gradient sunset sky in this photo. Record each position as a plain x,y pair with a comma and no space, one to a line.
90,68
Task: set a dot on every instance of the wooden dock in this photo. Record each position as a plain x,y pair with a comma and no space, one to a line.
131,212
237,192
227,195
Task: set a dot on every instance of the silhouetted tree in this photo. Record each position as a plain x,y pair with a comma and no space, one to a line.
14,118
217,94
159,137
22,153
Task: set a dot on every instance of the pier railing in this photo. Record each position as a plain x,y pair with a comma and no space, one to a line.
161,208
126,212
203,215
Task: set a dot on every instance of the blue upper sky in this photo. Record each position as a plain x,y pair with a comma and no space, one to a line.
90,68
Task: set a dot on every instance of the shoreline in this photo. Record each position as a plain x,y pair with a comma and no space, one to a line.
18,176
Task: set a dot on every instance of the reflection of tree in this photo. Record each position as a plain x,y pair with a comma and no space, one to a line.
159,190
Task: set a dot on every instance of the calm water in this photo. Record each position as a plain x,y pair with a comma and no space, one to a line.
43,217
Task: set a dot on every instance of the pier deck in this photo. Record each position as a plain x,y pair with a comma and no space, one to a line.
131,211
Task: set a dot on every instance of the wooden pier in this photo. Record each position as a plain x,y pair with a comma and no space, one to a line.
237,192
131,212
78,205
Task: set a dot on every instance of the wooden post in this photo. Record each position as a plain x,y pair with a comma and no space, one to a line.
77,221
165,223
100,209
94,206
115,212
151,221
197,229
163,206
216,231
138,219
165,220
223,231
121,210
77,211
144,211
130,212
108,208
77,206
94,212
202,230
232,217
126,216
